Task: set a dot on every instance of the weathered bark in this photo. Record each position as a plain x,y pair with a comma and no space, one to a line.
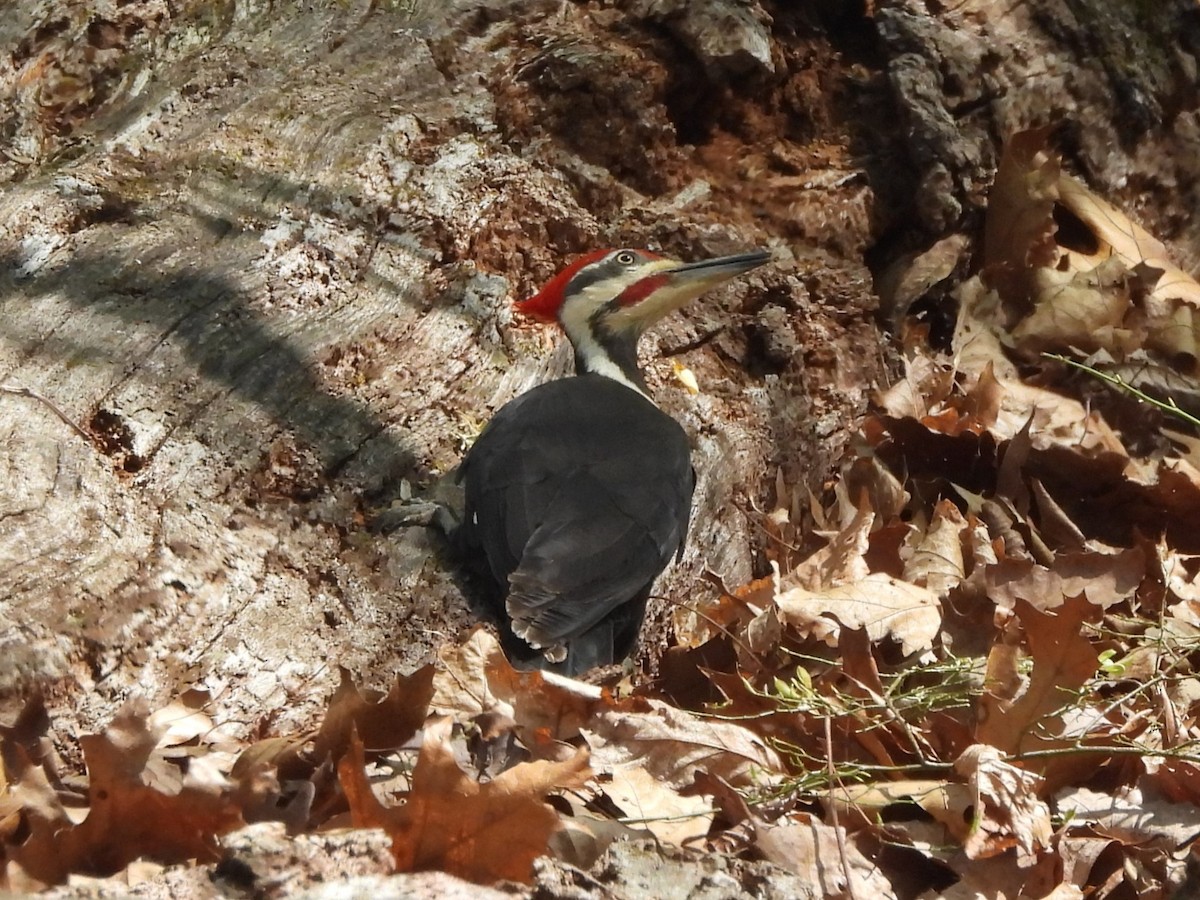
264,255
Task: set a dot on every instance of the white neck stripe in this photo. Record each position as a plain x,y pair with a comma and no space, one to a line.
574,317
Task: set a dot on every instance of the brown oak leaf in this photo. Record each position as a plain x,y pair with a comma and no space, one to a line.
481,832
139,806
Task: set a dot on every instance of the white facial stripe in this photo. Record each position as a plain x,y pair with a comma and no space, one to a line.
610,288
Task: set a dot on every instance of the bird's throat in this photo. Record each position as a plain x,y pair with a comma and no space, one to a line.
611,355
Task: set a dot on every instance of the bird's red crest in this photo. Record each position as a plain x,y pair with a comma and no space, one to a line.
544,305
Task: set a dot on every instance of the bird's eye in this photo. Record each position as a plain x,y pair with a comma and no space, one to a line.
625,258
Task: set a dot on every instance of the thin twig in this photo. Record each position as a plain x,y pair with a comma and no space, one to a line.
17,391
885,703
1109,750
873,769
831,772
1168,406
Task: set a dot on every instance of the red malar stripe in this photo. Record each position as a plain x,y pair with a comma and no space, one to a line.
640,290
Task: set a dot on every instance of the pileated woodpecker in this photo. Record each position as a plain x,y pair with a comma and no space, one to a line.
578,492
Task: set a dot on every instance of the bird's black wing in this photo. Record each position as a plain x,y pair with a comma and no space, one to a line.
578,495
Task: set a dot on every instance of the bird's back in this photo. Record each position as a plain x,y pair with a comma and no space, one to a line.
578,494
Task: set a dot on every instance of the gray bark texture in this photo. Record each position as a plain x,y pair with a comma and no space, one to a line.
263,255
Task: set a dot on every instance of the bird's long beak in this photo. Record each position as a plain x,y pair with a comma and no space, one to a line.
674,284
710,272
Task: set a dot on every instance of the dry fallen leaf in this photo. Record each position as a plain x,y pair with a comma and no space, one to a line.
1079,855
841,560
802,844
585,837
945,801
807,846
384,721
1130,815
672,745
936,561
476,678
1106,579
882,604
1086,309
1019,229
29,793
913,275
1128,241
183,720
873,487
1063,660
977,342
1011,580
1007,810
926,383
1180,572
139,806
1052,419
1044,712
652,804
1120,294
29,733
481,832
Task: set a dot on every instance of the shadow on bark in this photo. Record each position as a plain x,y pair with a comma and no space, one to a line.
208,319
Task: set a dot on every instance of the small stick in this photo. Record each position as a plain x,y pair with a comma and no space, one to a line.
49,404
833,813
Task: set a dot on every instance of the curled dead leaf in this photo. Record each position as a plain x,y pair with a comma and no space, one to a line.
1019,229
842,559
476,677
382,721
1118,291
937,560
1008,812
946,801
1032,716
807,846
1134,815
